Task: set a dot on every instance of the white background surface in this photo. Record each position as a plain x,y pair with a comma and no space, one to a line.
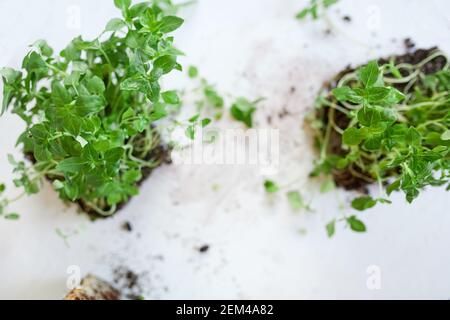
253,48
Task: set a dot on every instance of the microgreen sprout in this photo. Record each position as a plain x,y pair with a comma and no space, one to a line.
387,125
212,103
294,198
315,9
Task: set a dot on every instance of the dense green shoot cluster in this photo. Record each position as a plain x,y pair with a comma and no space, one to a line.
90,112
396,133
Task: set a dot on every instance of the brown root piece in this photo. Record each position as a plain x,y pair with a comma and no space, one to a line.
353,178
92,288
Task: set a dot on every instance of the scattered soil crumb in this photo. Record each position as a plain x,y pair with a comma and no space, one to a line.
126,226
409,44
283,113
347,18
128,282
204,249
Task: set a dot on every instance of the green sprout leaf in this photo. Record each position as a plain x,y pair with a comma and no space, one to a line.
363,203
193,72
96,85
446,135
190,132
91,111
295,200
347,94
171,97
170,24
331,228
12,216
315,9
393,187
122,4
356,224
213,97
413,137
10,75
370,74
205,122
115,25
72,165
165,64
328,185
354,136
271,187
242,110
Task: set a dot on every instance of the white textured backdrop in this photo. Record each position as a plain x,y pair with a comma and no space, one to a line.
253,48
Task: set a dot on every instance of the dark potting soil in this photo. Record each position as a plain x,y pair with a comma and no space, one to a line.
409,44
128,282
347,18
353,180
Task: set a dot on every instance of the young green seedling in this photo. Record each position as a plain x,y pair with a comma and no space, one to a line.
212,103
91,111
389,125
315,9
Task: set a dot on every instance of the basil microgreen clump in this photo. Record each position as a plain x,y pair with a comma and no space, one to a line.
315,9
387,124
91,111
